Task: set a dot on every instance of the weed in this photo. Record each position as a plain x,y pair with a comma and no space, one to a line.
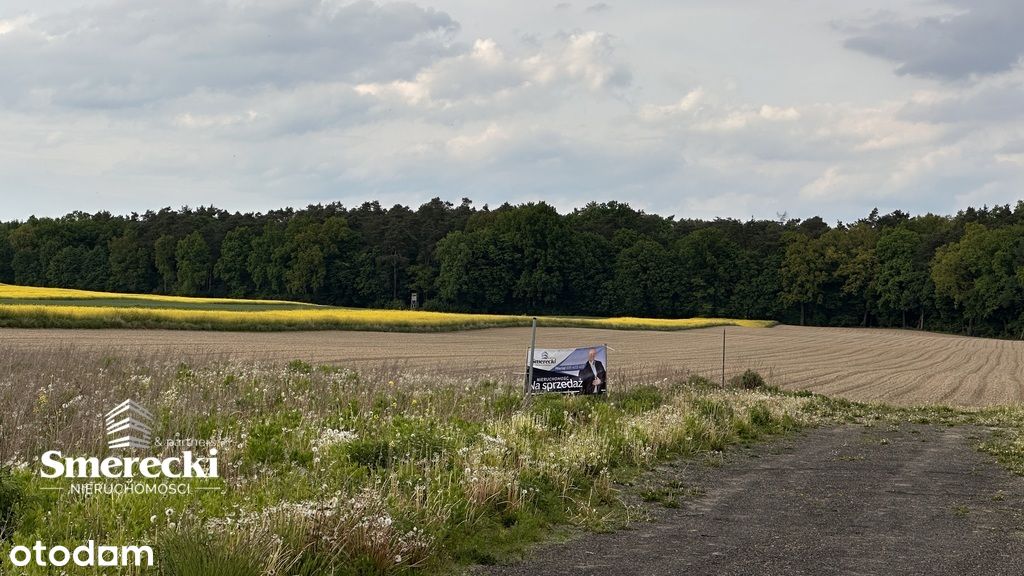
748,380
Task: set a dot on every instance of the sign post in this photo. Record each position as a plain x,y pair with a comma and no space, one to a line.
723,357
529,361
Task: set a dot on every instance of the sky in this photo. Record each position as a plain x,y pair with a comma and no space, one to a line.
732,108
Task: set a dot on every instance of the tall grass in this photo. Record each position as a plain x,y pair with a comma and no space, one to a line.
326,470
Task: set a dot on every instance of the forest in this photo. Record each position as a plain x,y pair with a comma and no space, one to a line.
962,273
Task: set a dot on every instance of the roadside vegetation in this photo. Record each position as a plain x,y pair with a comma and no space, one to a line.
31,307
325,470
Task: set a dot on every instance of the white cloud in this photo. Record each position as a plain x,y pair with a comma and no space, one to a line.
828,184
778,114
129,53
486,74
12,24
475,146
258,105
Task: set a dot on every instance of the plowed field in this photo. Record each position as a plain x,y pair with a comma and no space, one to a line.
895,366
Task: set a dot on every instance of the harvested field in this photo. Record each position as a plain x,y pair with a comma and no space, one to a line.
894,366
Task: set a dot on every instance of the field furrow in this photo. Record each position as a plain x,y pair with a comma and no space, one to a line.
898,366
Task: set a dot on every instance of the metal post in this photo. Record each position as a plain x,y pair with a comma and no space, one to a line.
529,364
723,357
606,368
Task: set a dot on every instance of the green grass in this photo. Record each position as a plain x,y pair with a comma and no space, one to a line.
326,470
331,471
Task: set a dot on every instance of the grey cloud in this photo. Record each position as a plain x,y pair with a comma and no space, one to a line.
995,103
599,7
982,37
127,53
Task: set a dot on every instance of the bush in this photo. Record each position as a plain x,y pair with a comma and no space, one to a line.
760,416
12,493
265,444
300,367
552,408
370,452
507,403
749,380
640,399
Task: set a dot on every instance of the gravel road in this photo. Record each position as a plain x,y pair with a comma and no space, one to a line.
848,500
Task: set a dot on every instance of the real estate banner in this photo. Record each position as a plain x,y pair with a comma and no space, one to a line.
569,370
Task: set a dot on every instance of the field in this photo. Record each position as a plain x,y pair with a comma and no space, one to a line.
29,307
401,452
895,366
328,470
332,471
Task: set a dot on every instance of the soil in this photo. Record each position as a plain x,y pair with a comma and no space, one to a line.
901,367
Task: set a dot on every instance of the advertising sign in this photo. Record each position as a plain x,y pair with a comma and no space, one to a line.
569,370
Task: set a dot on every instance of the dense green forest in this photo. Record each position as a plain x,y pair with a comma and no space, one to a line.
962,273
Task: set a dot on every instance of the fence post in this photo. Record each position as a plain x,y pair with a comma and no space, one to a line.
723,357
529,361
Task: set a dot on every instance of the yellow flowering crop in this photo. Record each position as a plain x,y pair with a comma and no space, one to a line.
12,292
65,308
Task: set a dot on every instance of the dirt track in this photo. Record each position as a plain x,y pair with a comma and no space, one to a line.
896,366
915,501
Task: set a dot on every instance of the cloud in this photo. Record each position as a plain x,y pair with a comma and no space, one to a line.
994,99
599,7
975,38
255,105
486,74
127,53
826,185
9,25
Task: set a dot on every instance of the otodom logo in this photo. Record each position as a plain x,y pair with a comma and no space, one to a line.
85,556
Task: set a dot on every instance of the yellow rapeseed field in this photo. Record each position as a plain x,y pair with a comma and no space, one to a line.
65,308
10,291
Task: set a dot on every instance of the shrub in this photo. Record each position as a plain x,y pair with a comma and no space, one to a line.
12,492
749,380
760,416
507,403
369,452
640,399
551,407
300,367
265,444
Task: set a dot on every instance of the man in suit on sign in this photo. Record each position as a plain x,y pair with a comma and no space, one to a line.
595,379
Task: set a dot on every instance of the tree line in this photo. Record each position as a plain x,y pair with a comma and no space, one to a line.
961,273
